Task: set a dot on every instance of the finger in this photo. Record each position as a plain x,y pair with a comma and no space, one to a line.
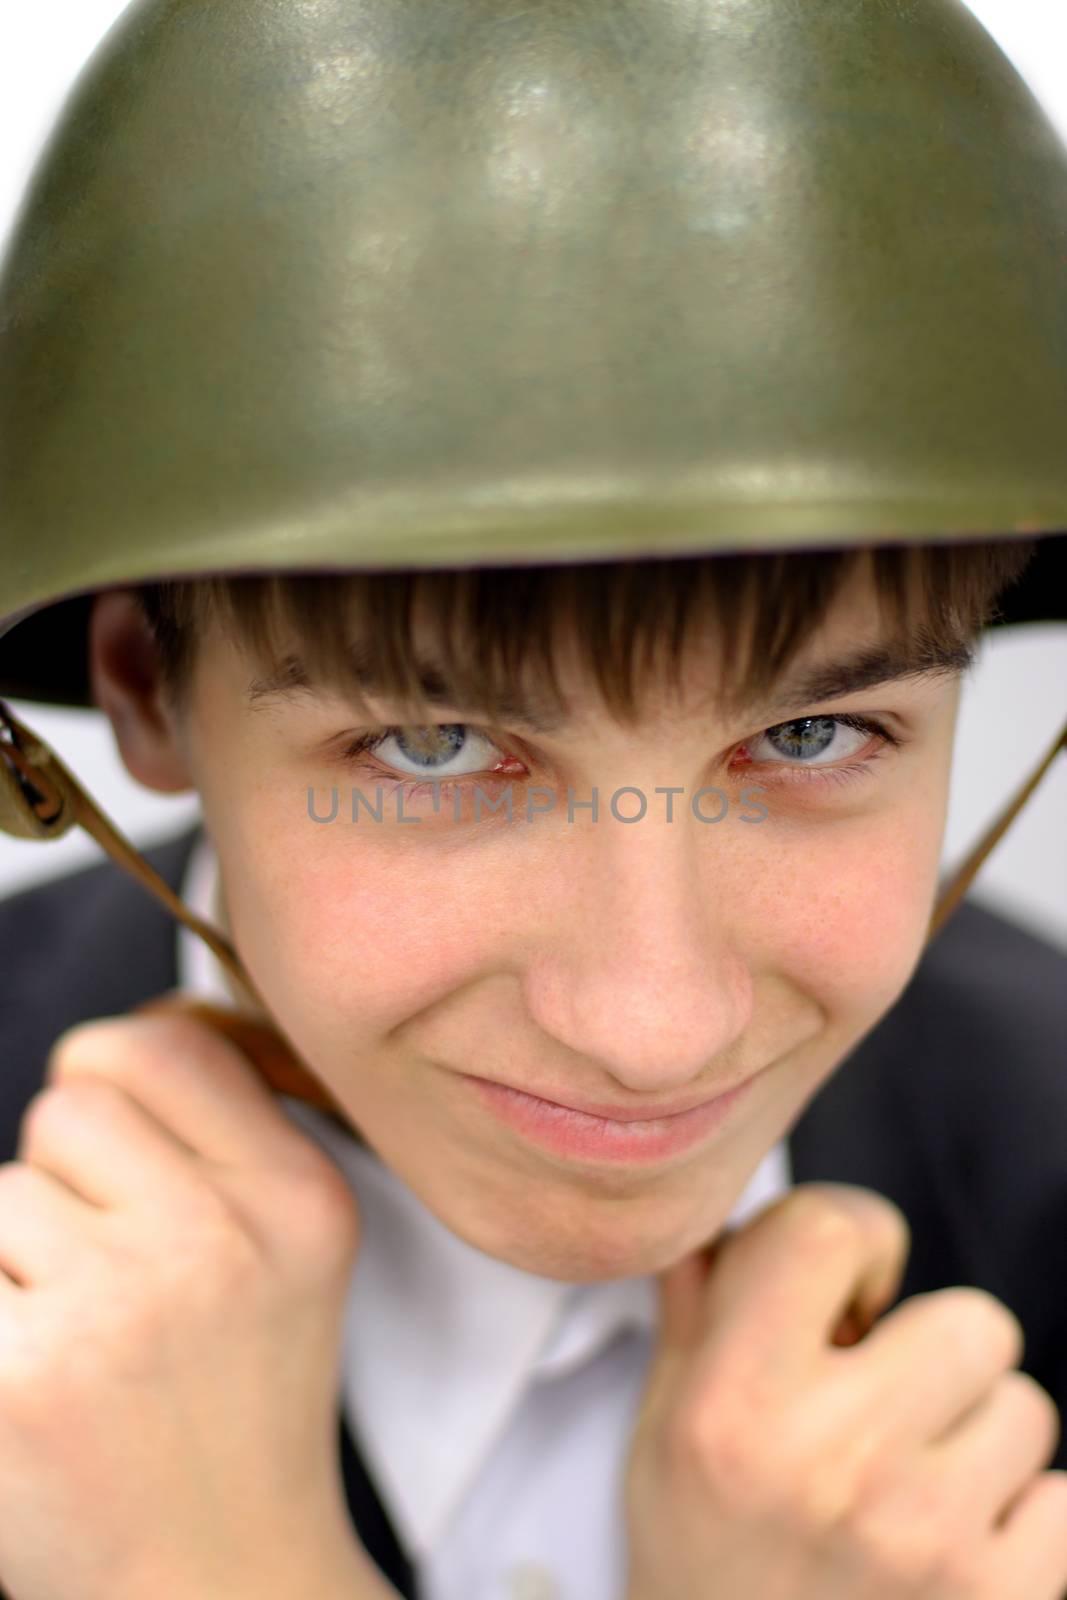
995,1449
680,1288
780,1287
90,1135
191,1079
953,1344
43,1225
1027,1555
951,1493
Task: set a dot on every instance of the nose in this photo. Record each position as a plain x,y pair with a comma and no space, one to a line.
637,974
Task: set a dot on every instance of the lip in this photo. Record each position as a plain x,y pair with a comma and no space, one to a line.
586,1135
608,1113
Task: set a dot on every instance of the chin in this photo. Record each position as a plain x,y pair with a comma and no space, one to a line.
577,1256
577,1266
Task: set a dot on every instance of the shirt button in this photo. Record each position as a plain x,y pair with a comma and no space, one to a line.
532,1581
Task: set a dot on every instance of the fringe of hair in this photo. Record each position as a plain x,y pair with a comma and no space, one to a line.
498,630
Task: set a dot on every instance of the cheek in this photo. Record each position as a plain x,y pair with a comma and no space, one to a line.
848,916
349,938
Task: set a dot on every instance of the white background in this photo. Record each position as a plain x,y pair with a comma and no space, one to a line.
1012,707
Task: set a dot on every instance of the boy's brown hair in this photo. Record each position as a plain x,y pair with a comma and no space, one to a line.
494,628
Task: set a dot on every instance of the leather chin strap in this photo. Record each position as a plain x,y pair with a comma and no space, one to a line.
41,799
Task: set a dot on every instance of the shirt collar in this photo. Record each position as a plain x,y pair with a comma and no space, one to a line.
440,1340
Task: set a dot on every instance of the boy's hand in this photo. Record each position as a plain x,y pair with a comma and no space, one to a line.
766,1463
174,1260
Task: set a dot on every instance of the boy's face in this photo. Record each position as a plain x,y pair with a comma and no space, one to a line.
629,965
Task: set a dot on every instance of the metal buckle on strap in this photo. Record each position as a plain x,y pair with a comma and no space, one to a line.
32,804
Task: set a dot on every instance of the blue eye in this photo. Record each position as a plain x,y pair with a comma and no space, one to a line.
439,750
807,739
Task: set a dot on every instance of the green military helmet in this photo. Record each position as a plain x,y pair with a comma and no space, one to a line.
380,283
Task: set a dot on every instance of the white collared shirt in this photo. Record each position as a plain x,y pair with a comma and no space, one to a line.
494,1407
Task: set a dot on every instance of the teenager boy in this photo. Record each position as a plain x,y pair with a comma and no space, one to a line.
673,774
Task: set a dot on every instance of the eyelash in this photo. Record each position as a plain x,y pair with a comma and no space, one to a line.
366,743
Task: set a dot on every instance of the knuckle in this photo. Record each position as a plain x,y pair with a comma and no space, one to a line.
815,1502
687,1441
728,1460
1032,1392
22,1186
829,1484
24,1392
962,1569
79,1046
206,1217
876,1501
1034,1402
13,1175
64,1050
822,1223
1052,1487
210,1251
323,1210
984,1326
902,1535
130,1331
891,1549
195,1221
156,1043
953,1567
123,1050
57,1105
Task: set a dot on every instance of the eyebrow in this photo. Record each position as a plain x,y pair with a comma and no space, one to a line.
867,668
292,681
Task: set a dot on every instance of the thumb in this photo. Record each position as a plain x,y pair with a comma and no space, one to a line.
681,1294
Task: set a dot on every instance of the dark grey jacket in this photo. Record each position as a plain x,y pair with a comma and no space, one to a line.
954,1106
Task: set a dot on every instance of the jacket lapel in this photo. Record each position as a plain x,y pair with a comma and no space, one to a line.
370,1517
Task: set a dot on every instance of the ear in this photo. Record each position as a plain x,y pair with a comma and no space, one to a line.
127,685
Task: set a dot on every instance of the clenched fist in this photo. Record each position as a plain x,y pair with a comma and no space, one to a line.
778,1458
174,1260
